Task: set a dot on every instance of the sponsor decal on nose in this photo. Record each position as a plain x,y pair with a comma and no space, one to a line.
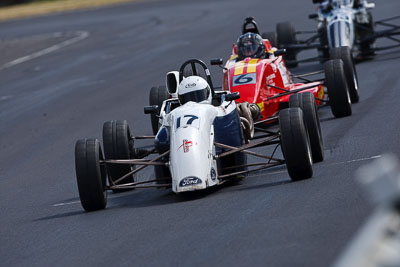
186,144
213,174
188,181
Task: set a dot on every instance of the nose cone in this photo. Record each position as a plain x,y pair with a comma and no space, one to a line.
248,91
245,76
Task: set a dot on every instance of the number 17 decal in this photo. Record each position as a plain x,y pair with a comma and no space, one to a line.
187,120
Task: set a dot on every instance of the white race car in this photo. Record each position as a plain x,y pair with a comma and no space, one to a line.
341,23
203,140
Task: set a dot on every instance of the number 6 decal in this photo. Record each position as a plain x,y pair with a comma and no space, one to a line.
249,78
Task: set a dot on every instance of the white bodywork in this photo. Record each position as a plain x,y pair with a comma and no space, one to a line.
192,160
341,27
340,21
192,152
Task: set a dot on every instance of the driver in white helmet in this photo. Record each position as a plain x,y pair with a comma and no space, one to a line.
195,89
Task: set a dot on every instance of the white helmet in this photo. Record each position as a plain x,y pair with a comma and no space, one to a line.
194,88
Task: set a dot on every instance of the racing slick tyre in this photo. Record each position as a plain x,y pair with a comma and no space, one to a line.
335,81
323,50
118,145
286,35
272,38
157,97
163,175
90,174
344,53
365,30
295,144
306,102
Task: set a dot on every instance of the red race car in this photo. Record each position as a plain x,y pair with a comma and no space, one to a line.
257,70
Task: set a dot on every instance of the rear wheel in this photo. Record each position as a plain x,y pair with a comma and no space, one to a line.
339,98
344,53
295,144
272,38
90,174
118,145
323,50
306,102
286,35
365,30
157,97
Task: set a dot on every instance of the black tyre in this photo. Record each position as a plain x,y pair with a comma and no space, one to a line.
323,50
272,38
163,175
286,35
344,53
364,30
118,144
336,83
306,102
90,174
295,144
157,97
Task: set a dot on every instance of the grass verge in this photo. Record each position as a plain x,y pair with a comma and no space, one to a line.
48,7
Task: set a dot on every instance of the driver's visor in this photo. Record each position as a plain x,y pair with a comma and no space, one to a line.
195,96
249,50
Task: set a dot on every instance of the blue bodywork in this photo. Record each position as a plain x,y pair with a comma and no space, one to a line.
162,140
228,131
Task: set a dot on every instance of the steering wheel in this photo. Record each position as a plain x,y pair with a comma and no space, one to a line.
193,63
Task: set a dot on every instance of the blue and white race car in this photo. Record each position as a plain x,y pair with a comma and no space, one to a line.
341,23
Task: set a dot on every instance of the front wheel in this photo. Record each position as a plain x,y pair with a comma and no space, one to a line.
338,92
344,53
295,144
90,174
306,101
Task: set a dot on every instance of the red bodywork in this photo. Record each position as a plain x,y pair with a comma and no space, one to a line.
252,76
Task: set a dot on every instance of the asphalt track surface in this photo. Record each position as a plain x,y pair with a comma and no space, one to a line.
50,100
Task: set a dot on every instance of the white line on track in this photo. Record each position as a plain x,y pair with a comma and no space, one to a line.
80,36
356,160
331,164
254,175
66,203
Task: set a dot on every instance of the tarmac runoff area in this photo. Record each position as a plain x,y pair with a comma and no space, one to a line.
43,8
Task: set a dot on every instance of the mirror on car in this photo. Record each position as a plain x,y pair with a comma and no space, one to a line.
151,109
313,16
172,82
232,96
217,61
280,52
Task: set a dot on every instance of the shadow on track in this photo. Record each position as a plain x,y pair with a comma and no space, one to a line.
265,185
61,215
